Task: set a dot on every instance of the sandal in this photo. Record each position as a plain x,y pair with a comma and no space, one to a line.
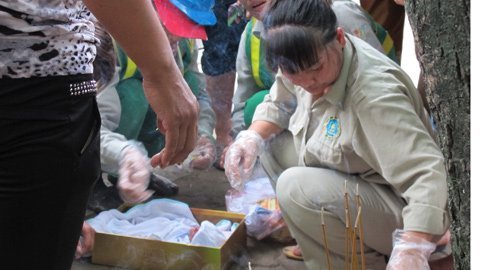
289,251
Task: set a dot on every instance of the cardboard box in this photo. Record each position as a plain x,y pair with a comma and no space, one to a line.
140,253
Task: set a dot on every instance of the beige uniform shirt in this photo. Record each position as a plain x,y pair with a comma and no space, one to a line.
351,17
372,124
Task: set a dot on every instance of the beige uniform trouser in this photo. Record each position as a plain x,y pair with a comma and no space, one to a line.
303,191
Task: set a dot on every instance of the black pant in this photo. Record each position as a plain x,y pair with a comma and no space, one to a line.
49,159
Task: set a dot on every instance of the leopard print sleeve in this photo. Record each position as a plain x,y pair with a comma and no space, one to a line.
45,38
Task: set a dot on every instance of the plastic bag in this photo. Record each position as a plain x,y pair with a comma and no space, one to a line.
262,222
263,216
255,190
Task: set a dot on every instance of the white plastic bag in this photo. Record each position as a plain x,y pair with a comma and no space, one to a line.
255,190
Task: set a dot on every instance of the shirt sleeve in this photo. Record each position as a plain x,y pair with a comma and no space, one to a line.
352,18
246,87
393,139
279,105
111,143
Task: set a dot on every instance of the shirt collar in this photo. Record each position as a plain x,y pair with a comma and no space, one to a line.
258,29
336,95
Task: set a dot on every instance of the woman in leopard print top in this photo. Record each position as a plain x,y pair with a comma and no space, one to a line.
49,121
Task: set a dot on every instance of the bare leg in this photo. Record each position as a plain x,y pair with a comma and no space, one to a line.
220,88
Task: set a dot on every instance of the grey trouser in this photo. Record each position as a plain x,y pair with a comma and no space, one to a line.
303,191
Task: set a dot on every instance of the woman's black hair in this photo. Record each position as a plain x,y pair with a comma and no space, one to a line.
295,31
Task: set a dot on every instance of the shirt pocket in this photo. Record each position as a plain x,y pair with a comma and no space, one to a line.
296,125
324,152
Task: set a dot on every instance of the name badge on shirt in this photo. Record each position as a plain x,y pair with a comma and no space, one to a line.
332,128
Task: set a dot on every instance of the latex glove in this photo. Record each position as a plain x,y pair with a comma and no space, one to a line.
221,159
409,252
86,241
134,174
241,157
204,153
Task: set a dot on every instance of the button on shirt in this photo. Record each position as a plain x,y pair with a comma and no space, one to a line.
371,123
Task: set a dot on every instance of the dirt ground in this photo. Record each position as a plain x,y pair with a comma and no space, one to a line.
206,189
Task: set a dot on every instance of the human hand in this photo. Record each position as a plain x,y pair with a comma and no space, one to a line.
221,159
410,251
134,174
235,12
400,2
204,153
177,115
86,241
241,157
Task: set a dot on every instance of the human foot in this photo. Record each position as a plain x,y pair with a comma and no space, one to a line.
293,252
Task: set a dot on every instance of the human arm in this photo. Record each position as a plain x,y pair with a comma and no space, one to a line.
393,138
242,154
355,21
246,87
111,142
118,155
134,173
164,86
271,118
411,250
86,241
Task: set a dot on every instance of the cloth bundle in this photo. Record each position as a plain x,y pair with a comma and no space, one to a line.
162,219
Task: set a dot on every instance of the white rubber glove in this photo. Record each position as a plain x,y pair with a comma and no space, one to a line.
409,252
134,174
241,157
204,153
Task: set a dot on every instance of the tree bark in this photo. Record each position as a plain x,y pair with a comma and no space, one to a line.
441,31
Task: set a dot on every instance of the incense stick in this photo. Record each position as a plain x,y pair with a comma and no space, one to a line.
360,228
347,227
354,240
324,231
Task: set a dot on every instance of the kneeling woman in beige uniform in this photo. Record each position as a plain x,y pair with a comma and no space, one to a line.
342,117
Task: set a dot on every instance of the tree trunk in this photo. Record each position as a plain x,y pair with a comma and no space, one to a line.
442,34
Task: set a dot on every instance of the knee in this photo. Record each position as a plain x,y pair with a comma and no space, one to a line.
312,187
287,184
